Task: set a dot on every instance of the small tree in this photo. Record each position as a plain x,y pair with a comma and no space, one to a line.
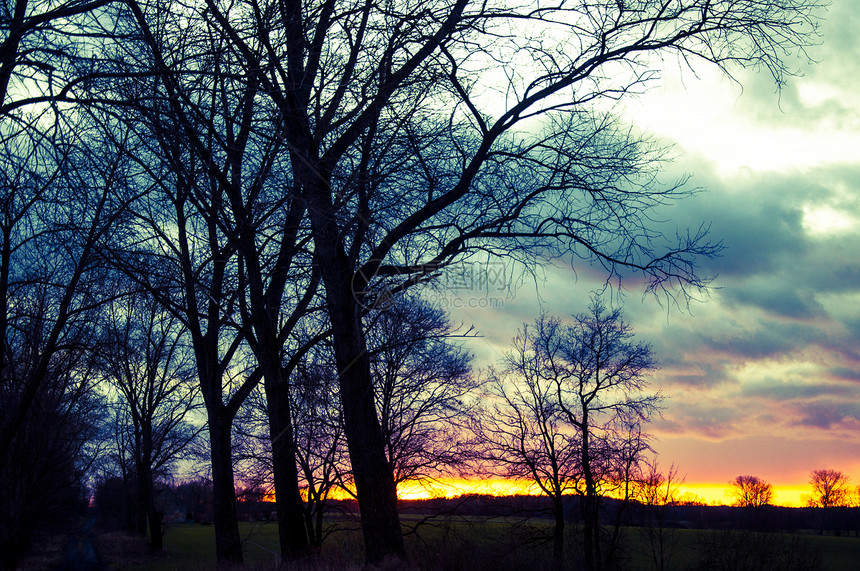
658,492
152,375
421,381
753,495
751,492
568,399
829,488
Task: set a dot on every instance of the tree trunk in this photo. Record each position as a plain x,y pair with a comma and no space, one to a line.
590,531
156,542
374,481
291,527
228,545
153,517
149,511
558,537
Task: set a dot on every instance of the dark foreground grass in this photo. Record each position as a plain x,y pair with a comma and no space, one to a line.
474,544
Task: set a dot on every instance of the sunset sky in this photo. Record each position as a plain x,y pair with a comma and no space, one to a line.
764,377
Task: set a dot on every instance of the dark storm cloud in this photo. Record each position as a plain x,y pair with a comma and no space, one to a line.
690,371
758,219
706,419
786,292
780,391
829,414
773,260
754,339
848,374
780,299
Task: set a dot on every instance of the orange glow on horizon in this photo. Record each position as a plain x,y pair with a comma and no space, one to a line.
790,496
454,487
449,488
707,493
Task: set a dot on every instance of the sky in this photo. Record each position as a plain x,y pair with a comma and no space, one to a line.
763,377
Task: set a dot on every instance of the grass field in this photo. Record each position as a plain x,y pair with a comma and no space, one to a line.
497,545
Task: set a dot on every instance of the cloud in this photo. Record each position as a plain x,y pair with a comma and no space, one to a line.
779,391
713,420
829,414
825,91
779,299
776,350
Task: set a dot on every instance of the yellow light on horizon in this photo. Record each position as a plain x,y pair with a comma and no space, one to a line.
455,487
709,493
790,496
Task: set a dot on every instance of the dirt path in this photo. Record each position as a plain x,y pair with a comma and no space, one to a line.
80,553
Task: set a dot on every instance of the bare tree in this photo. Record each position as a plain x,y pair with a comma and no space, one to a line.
570,396
149,365
213,237
317,434
751,492
58,437
407,131
658,492
829,488
320,445
57,205
175,250
600,379
525,435
422,382
39,52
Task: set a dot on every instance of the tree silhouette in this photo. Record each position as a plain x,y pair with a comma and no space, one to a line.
751,491
150,368
570,396
658,493
407,135
830,489
421,132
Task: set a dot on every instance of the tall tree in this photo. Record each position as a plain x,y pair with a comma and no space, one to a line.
176,249
58,440
58,204
419,132
421,381
216,239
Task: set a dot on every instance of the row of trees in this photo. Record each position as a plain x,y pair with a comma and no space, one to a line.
830,488
201,198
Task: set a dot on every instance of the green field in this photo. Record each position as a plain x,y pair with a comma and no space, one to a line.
499,545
